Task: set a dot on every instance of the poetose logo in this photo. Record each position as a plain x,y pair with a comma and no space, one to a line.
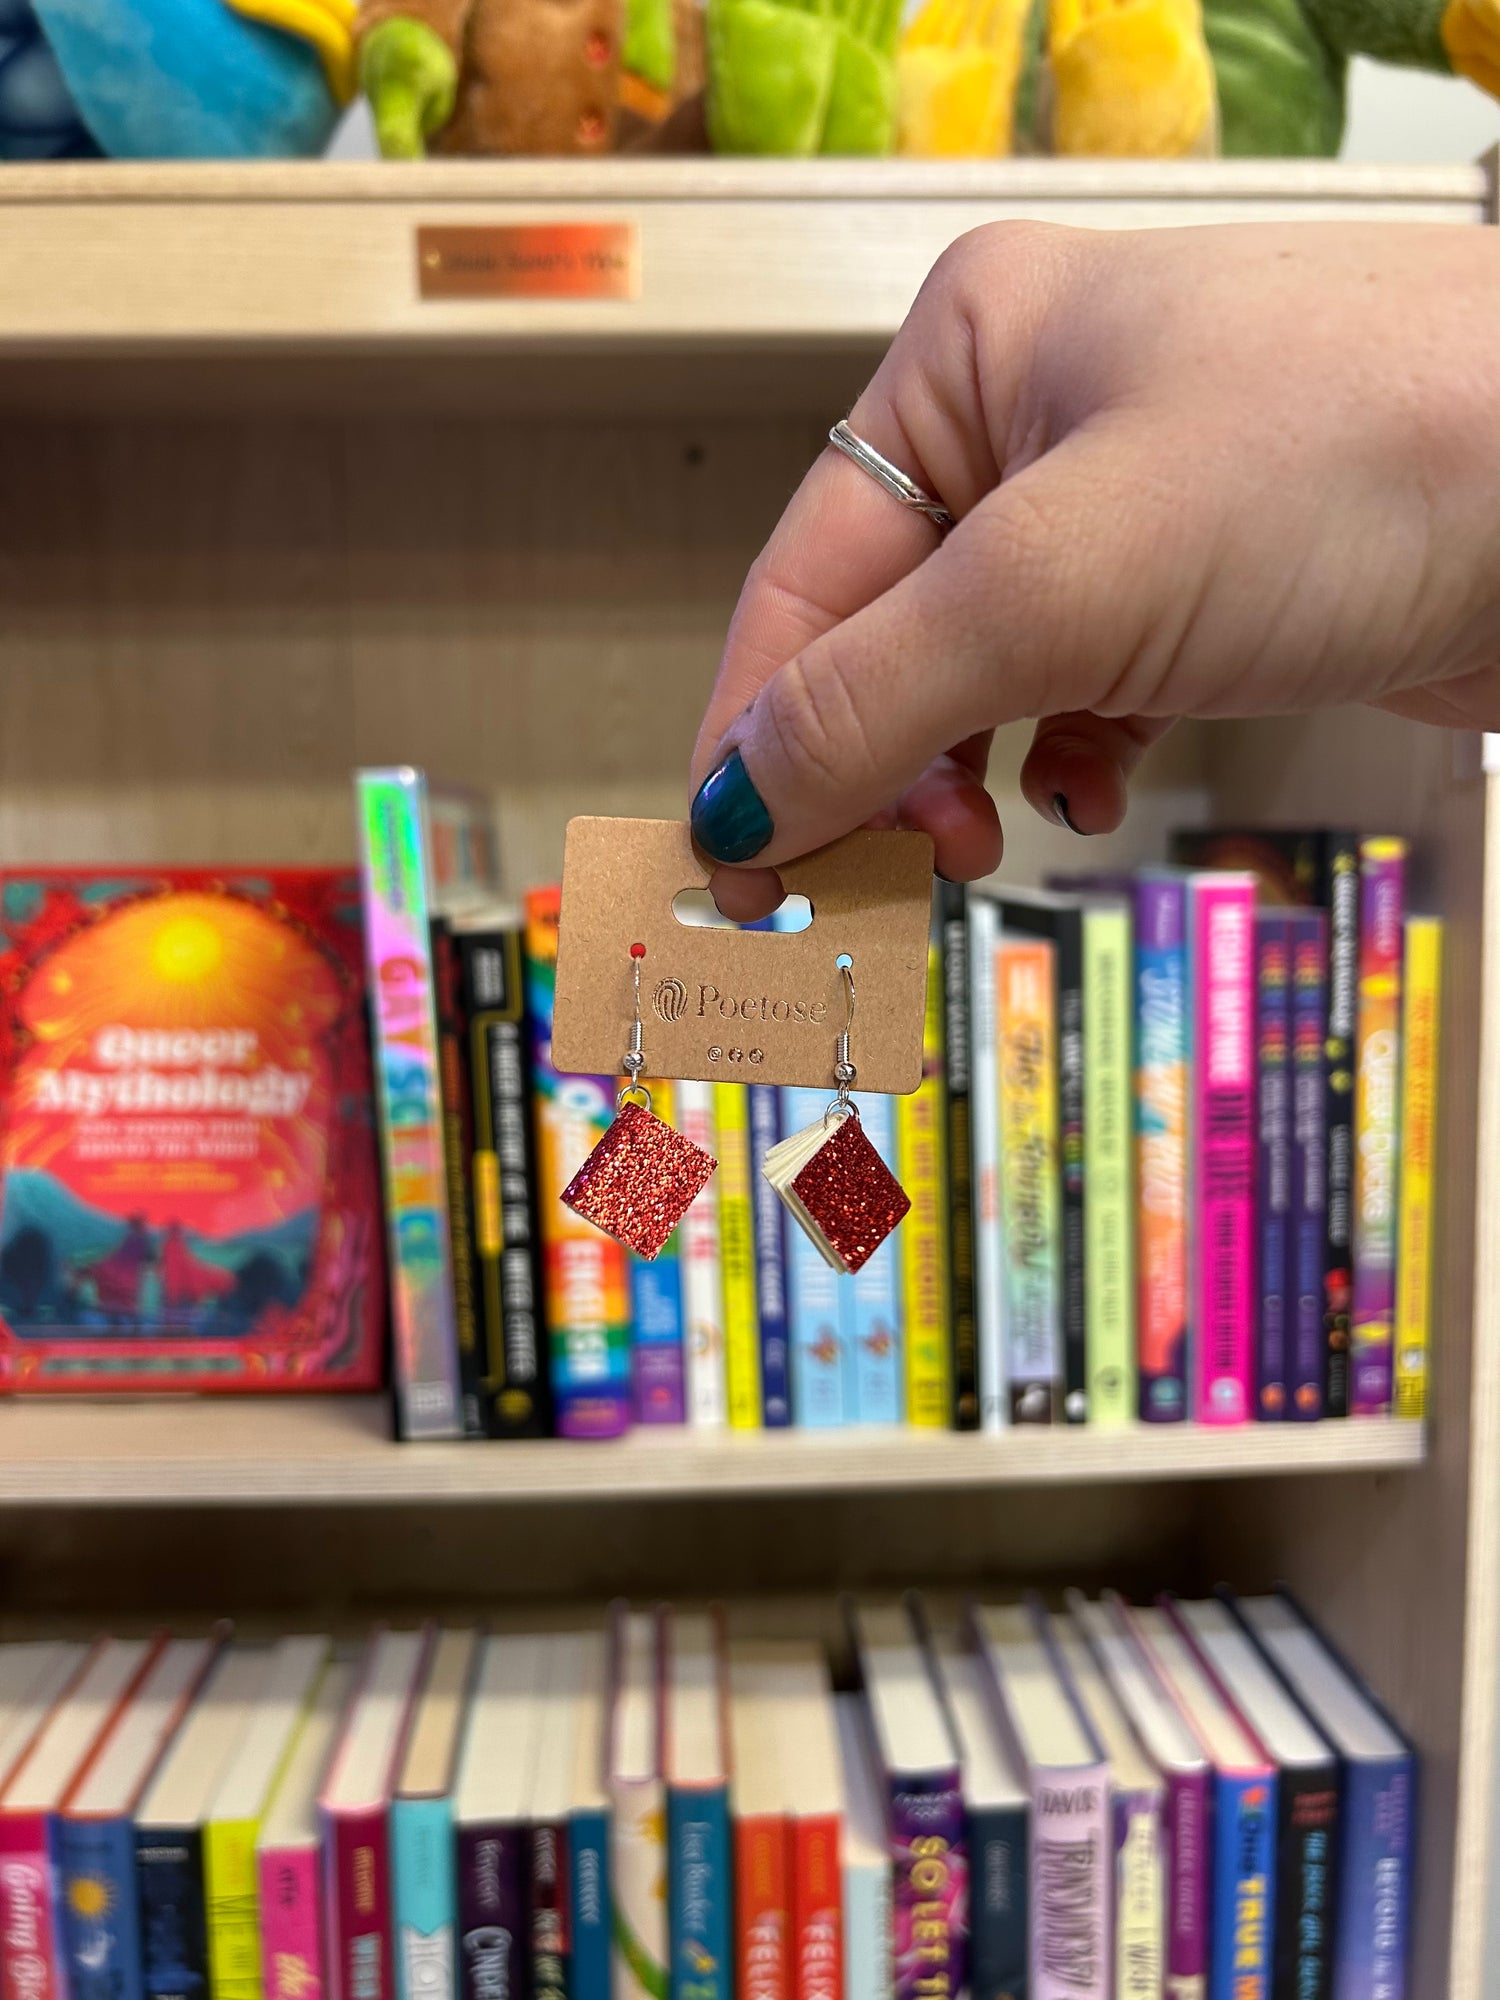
670,999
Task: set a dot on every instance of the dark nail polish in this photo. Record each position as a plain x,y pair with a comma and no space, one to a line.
1060,809
730,821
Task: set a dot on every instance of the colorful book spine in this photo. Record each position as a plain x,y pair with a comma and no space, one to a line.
737,1257
494,1928
770,1261
1307,1221
1374,1922
703,1272
985,1151
1188,1825
1161,1145
821,1375
356,1860
1420,1033
291,1921
998,1862
658,1362
1341,898
398,944
1243,1925
638,1890
503,1184
922,1239
1274,1159
456,1100
1069,1889
762,1894
1222,1148
700,1892
1307,1846
425,1896
963,1326
100,1912
1138,1895
929,1886
817,1908
229,1890
1109,1213
590,1969
548,1884
1071,1137
1377,1126
1029,1176
174,1919
586,1279
874,1302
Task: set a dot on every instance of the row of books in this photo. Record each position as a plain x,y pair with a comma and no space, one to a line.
1171,1160
1095,1802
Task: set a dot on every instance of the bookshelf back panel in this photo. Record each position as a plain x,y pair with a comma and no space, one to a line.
208,624
1404,1569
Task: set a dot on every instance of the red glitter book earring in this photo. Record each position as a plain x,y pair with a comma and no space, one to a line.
642,1177
829,1175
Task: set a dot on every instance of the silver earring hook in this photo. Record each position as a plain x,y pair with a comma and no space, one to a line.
844,1071
633,1091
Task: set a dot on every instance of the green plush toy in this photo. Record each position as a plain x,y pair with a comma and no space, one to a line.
799,77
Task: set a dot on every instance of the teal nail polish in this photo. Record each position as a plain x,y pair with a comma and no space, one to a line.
730,821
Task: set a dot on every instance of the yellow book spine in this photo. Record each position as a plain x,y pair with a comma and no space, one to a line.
1421,1030
923,1236
737,1257
232,1907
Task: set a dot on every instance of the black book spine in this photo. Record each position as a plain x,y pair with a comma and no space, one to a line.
953,926
174,1918
514,1376
1307,1853
453,1073
1339,893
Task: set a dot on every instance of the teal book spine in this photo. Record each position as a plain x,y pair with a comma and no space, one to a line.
426,1897
698,1893
588,1905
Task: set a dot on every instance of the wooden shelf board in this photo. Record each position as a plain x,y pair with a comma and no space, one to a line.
339,1450
123,262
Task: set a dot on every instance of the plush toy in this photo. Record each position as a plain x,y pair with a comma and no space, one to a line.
525,76
172,79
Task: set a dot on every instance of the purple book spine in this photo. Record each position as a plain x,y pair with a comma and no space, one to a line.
1188,1884
1273,1158
930,1885
493,1913
1308,1222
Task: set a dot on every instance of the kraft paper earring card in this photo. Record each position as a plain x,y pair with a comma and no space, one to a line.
737,1005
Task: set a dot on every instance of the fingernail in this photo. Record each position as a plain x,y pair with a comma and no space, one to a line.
1060,813
730,821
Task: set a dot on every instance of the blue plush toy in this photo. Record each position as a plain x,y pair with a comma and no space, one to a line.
172,79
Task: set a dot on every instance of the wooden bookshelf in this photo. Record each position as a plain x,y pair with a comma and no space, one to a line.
339,1450
265,515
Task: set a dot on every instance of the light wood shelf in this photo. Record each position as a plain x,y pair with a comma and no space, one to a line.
339,1450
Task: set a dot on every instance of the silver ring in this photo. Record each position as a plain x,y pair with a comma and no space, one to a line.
891,477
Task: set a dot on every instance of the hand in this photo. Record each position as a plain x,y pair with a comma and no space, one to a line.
799,77
410,77
1215,472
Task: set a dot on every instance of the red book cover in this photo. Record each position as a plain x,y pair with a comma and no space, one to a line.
760,1903
817,1908
189,1187
360,1965
30,1957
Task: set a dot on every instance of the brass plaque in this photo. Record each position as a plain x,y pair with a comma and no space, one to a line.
530,260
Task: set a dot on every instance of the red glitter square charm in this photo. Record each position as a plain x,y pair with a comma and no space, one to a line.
639,1181
851,1195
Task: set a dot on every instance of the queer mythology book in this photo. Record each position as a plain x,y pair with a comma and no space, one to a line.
189,1186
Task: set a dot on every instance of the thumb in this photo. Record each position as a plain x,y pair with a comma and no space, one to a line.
1049,598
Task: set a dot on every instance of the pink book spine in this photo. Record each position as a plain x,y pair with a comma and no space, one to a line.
291,1923
1223,1146
357,1860
29,1965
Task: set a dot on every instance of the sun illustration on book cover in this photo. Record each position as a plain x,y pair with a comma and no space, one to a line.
90,1897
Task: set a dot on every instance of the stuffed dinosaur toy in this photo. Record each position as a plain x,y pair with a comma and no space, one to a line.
172,79
1120,78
